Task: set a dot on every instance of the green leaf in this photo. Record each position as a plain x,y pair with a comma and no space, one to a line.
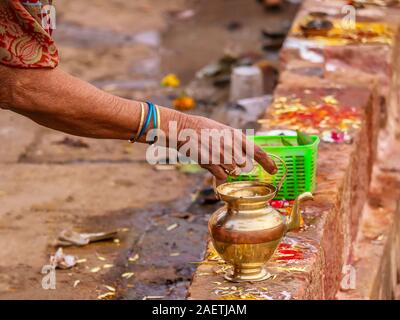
303,138
286,142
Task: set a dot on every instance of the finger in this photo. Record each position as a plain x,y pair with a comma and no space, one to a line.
239,157
238,150
242,165
227,155
252,151
231,169
266,162
217,171
248,164
244,162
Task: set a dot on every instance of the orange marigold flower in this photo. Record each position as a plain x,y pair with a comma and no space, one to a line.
184,103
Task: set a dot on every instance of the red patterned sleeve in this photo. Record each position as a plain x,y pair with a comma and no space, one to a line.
25,34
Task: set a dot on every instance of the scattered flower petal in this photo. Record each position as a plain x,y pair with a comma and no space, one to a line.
134,258
172,227
184,103
127,275
110,288
170,80
106,295
152,297
81,261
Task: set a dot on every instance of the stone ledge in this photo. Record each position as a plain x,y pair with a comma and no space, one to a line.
325,239
351,62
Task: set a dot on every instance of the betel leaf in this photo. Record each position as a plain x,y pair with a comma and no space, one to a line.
303,138
286,142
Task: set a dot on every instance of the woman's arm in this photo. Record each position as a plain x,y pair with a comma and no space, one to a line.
60,101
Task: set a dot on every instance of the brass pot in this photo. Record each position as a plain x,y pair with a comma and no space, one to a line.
247,230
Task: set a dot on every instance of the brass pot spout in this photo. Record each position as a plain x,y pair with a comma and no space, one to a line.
294,220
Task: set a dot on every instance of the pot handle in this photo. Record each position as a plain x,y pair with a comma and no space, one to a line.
279,186
214,182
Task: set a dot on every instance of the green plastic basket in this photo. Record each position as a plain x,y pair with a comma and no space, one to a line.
301,162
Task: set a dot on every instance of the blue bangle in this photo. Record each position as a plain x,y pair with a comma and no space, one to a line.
155,120
154,113
148,117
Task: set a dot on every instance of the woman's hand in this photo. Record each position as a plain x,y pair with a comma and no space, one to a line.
220,149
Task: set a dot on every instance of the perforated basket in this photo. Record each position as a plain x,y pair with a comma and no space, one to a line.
301,162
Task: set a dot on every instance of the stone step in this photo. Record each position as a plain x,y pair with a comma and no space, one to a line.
324,241
373,267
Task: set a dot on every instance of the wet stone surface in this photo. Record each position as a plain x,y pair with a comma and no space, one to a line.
169,249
